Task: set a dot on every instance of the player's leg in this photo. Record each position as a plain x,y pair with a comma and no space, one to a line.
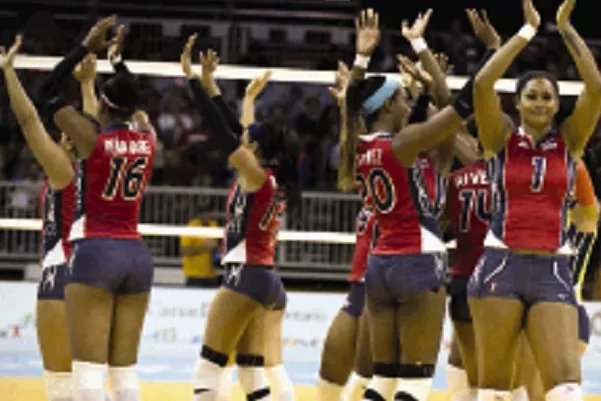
51,330
89,301
462,373
528,375
497,316
338,351
131,303
281,385
364,364
552,329
382,310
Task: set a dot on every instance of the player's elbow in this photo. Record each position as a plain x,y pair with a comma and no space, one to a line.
60,178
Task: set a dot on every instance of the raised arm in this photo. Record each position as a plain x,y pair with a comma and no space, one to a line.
85,73
80,129
241,157
52,158
489,116
254,88
578,128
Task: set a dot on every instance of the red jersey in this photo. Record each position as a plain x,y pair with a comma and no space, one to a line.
531,183
364,239
110,184
407,201
468,212
57,216
252,223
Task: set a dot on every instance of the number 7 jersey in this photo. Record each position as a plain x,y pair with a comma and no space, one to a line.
110,183
407,200
531,183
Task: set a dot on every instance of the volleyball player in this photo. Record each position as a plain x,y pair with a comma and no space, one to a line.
111,268
346,347
405,297
268,184
58,201
523,277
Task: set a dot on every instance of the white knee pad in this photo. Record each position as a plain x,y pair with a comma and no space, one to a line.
492,395
419,389
224,392
565,392
327,391
281,386
520,394
357,386
123,378
88,381
253,380
58,385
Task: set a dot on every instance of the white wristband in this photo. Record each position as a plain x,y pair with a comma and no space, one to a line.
527,32
419,45
362,61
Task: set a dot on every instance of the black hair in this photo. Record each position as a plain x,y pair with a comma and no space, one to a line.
530,75
357,123
280,149
121,95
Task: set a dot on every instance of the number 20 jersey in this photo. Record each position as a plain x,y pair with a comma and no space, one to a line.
110,183
407,201
531,182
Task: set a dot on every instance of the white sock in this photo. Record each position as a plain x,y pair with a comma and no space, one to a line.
206,380
383,386
459,389
282,388
224,393
492,395
357,386
565,392
87,381
58,386
253,381
418,389
520,394
327,391
124,383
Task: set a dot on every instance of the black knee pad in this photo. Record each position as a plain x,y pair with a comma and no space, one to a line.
248,360
422,371
390,370
216,357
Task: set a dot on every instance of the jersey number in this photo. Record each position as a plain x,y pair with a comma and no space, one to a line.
467,205
129,176
539,165
380,187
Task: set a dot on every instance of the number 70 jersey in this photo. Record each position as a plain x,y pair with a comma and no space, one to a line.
110,183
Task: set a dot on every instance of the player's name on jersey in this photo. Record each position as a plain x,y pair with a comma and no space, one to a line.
372,157
121,147
471,178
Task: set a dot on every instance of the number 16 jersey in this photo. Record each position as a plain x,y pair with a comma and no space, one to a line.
407,200
110,184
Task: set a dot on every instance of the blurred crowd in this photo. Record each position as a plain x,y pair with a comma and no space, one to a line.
187,156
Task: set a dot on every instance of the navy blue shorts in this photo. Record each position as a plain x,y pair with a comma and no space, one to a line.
119,266
52,283
391,278
528,278
584,325
355,300
458,307
260,283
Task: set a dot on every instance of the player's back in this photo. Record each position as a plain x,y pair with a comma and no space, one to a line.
468,213
110,184
407,201
531,183
252,223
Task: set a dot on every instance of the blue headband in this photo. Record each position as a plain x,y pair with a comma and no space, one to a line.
375,101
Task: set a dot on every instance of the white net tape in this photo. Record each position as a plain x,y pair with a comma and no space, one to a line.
171,69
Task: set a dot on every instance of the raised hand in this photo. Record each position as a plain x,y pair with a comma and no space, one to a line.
531,16
564,12
115,49
443,61
257,85
209,63
7,58
367,27
95,39
419,74
418,28
342,79
86,70
483,29
186,58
